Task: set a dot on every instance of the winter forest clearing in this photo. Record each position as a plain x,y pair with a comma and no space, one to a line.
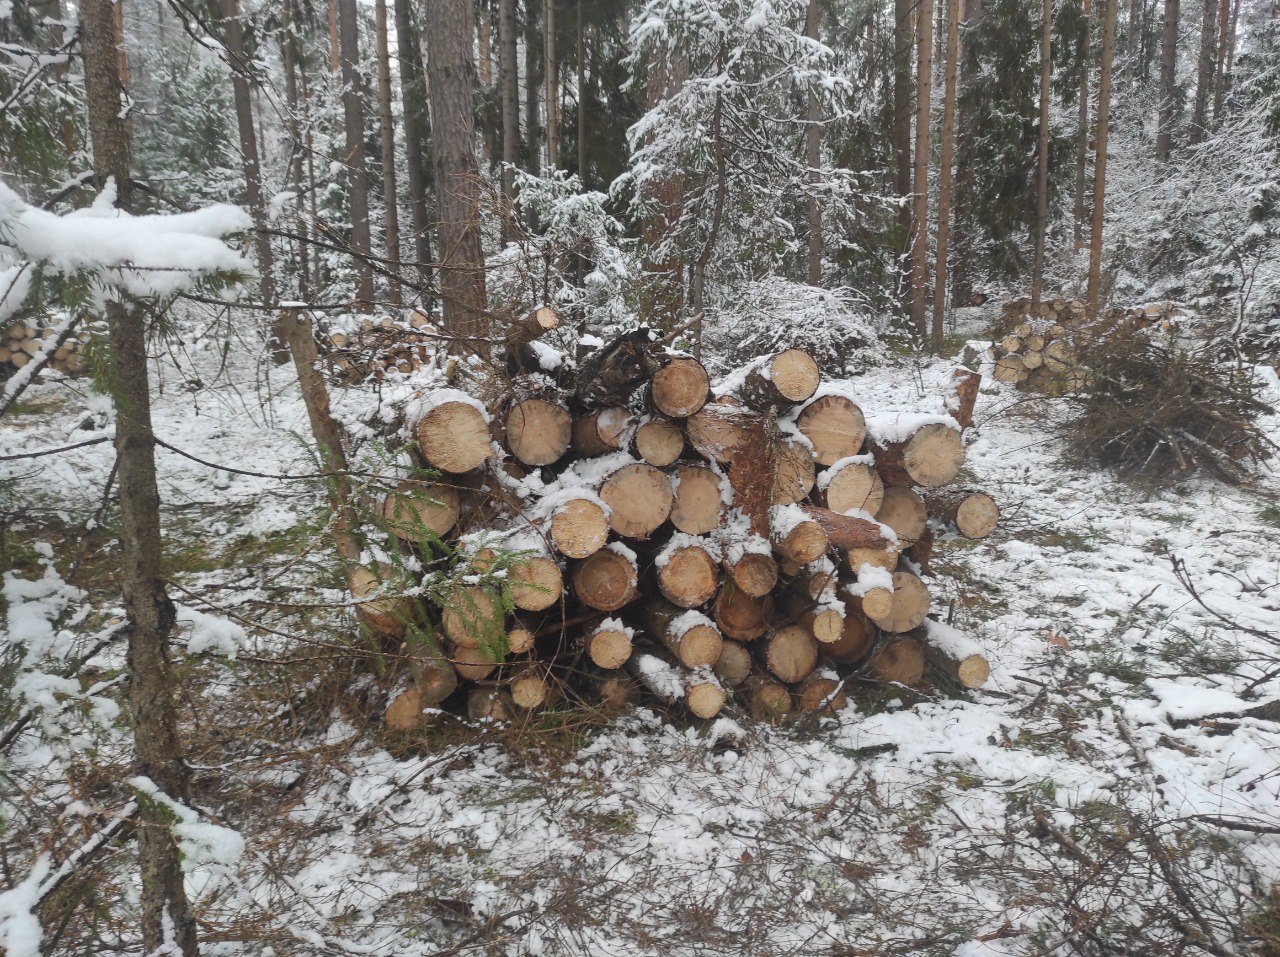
673,477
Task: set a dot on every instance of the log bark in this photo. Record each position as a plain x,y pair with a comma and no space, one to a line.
690,636
417,136
930,456
1204,72
845,532
969,512
1042,156
1168,80
508,81
954,654
920,186
781,380
945,174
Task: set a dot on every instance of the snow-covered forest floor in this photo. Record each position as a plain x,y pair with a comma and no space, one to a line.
1107,792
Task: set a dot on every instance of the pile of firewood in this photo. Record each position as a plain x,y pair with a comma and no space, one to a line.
21,343
373,349
1041,352
629,530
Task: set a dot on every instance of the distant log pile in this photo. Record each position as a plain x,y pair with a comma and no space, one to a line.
633,532
1041,353
20,343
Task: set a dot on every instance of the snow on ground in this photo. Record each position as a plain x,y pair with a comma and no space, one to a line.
1107,790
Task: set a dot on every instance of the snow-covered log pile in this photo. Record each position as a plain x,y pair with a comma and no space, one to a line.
1041,352
20,343
636,531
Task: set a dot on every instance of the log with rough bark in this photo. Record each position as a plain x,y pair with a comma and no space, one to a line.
600,432
969,512
689,635
780,380
927,453
898,661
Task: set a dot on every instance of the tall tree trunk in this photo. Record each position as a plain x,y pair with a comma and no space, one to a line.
582,98
297,148
233,39
335,47
663,296
451,79
960,274
920,212
1131,38
1168,80
813,152
1225,25
391,212
1082,134
902,95
1042,156
484,46
305,90
552,67
944,172
1204,73
60,72
509,82
1100,166
533,82
413,100
167,922
353,129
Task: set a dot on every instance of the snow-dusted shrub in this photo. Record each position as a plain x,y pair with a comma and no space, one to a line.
775,313
1153,406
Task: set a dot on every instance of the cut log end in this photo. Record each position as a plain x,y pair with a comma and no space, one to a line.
536,583
605,581
422,511
791,653
908,608
755,574
740,616
639,497
609,648
836,427
689,577
680,388
698,505
704,699
538,431
854,486
900,660
977,516
579,528
454,437
659,442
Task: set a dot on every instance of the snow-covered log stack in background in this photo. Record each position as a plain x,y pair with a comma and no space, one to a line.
754,543
20,343
1041,352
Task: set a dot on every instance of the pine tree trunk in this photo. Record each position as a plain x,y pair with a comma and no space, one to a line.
233,39
1100,166
552,69
813,153
508,82
533,82
902,95
1219,73
167,921
353,129
335,49
297,148
944,171
1042,157
413,100
582,98
1204,73
1168,80
920,212
959,272
1131,42
389,200
1082,134
451,74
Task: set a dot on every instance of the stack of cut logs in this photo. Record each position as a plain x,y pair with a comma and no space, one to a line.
377,347
1041,352
631,531
21,343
